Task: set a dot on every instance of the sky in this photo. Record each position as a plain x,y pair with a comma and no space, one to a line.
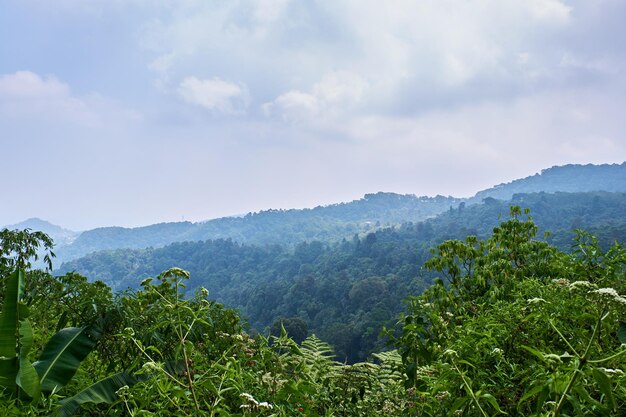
133,112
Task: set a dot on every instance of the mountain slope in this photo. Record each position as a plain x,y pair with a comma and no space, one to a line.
337,221
288,227
61,236
567,178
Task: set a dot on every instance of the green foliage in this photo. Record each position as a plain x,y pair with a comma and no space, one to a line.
518,327
511,325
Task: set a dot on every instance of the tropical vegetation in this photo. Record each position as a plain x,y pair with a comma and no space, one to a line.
510,325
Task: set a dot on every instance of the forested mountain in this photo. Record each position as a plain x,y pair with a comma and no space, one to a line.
567,178
346,291
286,227
61,236
324,223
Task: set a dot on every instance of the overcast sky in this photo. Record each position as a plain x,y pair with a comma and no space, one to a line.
131,112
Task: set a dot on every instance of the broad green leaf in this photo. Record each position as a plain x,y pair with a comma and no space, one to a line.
103,391
8,372
62,356
10,317
27,377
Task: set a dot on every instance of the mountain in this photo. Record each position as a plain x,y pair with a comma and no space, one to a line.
286,227
61,236
343,220
567,178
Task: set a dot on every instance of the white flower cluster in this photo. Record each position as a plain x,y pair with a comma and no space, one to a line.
582,285
535,300
610,294
253,404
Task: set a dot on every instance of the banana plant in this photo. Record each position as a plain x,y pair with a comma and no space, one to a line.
58,361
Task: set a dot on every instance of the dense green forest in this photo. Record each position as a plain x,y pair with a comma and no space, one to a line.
511,325
347,291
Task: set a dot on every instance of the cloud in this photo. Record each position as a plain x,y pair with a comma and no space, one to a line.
216,95
334,95
27,96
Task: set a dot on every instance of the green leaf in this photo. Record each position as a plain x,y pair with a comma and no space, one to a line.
621,333
10,317
492,400
27,377
61,357
104,391
605,386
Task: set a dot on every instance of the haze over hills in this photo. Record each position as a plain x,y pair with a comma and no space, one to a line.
62,237
327,223
344,268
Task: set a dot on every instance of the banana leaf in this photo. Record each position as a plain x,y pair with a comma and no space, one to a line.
103,391
61,357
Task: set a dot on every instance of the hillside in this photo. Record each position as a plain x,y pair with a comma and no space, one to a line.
567,178
337,221
347,291
287,227
61,236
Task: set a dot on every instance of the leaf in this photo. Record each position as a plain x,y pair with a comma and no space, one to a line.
103,391
27,377
492,400
14,332
605,386
9,318
61,357
621,333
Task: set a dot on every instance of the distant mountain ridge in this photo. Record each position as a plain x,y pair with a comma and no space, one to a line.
60,235
326,223
567,178
288,227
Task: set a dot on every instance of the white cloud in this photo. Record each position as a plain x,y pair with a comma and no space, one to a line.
27,96
215,94
554,10
335,94
28,85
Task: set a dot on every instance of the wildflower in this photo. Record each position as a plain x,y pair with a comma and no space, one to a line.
253,404
582,284
610,294
249,397
536,300
496,351
442,396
